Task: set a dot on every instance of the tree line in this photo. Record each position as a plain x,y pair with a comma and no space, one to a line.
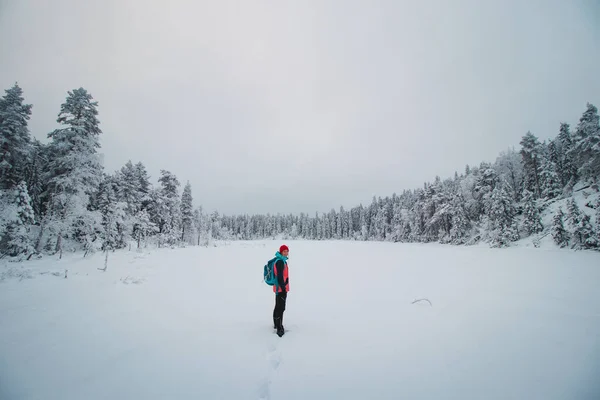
57,196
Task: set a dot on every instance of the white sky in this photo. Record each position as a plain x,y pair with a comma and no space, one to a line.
290,106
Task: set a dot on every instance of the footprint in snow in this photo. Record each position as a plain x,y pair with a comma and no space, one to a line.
273,356
264,391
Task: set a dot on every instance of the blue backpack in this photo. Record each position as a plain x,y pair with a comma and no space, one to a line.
268,273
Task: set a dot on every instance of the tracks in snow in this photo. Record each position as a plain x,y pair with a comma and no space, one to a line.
273,357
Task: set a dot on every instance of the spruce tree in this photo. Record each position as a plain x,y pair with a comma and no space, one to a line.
15,141
187,212
559,233
530,153
16,240
171,212
586,233
461,226
143,227
74,171
107,203
34,177
75,166
532,222
586,147
129,188
582,232
568,171
503,228
551,186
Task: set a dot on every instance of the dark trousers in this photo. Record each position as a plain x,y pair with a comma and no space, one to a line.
280,299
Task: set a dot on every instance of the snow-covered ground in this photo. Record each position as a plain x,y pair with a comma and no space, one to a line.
196,323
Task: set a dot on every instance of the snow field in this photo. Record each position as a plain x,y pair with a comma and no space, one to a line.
516,323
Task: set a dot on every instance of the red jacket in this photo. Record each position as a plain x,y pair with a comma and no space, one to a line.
281,272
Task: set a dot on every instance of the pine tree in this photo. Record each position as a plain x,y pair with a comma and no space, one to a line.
143,184
129,188
568,171
503,229
34,177
16,240
107,202
530,153
510,169
74,171
532,222
586,144
461,226
397,224
573,213
582,232
586,233
363,225
484,187
187,212
75,167
143,227
15,142
171,207
551,187
559,233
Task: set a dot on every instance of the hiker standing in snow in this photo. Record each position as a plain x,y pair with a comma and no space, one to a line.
281,288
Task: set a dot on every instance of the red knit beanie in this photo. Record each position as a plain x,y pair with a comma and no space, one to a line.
283,248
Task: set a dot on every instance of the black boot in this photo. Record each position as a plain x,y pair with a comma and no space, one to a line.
280,331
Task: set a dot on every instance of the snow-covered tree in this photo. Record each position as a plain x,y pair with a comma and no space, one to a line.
34,177
16,240
530,153
143,184
573,213
461,226
75,166
397,223
582,232
532,222
502,227
585,233
510,169
551,181
568,170
586,144
170,211
486,183
187,212
143,227
15,141
74,171
109,209
559,233
129,188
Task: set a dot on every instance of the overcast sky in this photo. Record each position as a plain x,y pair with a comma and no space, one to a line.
291,106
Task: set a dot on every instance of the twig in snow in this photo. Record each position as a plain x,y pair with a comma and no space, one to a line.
427,300
105,262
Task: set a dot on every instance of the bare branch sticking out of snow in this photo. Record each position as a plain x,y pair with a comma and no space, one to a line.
418,300
105,262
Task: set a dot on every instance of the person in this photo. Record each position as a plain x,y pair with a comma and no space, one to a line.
281,288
